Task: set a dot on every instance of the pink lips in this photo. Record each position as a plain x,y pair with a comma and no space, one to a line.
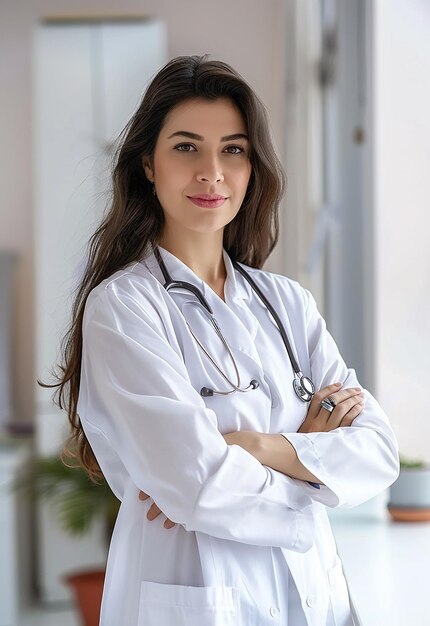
210,201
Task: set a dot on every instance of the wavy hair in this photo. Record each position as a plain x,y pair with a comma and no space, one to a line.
134,219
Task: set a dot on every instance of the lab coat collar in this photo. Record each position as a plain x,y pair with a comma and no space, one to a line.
235,287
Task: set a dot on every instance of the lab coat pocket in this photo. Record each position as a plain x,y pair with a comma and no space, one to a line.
339,596
178,605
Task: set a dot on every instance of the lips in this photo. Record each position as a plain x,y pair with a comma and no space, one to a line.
201,200
206,196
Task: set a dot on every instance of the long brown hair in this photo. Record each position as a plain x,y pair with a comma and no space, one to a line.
134,220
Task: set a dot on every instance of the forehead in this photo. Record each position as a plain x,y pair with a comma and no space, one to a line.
202,116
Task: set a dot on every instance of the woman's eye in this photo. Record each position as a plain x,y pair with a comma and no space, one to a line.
189,147
240,150
182,147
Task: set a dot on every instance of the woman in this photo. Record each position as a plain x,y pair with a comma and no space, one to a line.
199,420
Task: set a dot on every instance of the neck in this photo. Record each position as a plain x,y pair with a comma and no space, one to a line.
202,254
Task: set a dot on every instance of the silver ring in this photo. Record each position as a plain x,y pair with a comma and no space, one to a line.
328,404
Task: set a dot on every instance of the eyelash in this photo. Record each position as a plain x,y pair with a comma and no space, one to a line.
190,144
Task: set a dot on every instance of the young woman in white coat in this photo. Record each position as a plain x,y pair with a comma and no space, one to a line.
224,449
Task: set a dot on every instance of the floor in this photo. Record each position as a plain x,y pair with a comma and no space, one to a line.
386,564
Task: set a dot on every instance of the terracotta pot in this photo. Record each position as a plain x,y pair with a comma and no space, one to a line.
87,588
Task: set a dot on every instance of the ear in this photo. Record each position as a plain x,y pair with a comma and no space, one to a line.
148,168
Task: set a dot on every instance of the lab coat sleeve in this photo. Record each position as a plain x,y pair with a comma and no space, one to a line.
146,423
354,462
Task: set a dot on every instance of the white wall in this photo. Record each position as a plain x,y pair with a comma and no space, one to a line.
248,35
402,217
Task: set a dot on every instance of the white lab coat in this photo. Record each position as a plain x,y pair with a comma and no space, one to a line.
252,546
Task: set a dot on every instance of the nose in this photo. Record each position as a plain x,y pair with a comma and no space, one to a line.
210,171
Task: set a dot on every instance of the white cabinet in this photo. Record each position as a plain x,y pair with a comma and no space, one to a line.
88,80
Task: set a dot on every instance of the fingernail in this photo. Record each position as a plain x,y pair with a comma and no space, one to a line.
338,384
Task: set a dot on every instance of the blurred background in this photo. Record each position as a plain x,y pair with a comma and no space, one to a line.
347,89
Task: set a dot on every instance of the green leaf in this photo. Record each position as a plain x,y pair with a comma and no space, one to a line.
76,500
411,463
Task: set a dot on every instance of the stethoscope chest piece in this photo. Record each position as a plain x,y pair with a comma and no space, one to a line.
304,387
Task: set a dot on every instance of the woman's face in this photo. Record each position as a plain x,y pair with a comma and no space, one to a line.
201,149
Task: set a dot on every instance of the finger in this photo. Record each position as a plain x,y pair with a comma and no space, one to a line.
352,414
319,396
342,409
348,396
143,495
344,394
324,392
168,523
153,512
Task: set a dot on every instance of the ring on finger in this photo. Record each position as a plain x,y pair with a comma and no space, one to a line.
328,404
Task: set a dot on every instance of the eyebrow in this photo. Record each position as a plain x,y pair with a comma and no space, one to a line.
185,133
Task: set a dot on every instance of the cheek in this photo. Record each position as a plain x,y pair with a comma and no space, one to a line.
173,174
243,177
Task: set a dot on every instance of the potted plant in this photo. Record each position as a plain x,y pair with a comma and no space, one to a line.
77,502
410,493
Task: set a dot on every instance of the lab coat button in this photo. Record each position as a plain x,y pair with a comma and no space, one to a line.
309,601
273,611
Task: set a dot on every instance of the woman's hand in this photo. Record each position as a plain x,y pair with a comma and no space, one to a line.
349,404
154,511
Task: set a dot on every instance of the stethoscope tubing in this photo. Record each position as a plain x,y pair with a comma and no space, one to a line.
274,314
300,382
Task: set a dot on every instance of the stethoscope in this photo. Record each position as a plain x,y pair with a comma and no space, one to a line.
303,385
